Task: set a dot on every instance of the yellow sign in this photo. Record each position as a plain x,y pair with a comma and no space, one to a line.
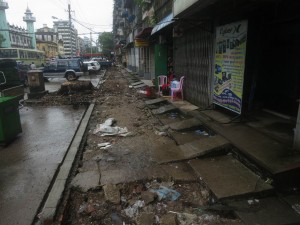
230,56
141,43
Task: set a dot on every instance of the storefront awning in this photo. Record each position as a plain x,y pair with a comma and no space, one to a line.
145,33
163,23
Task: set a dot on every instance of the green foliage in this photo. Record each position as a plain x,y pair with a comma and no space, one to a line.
106,42
2,39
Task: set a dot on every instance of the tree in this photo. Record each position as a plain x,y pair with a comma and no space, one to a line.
106,42
2,39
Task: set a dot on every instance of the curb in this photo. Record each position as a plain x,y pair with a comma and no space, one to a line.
55,194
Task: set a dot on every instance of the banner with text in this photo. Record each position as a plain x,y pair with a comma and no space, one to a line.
230,57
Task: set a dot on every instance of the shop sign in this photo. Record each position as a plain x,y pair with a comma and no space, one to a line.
230,65
141,43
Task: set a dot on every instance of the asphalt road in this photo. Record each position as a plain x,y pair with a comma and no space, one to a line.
28,164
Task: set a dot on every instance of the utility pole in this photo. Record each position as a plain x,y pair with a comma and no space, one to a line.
91,43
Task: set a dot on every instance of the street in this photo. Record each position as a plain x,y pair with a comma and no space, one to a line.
28,164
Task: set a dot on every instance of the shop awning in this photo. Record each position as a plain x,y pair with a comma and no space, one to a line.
145,33
163,23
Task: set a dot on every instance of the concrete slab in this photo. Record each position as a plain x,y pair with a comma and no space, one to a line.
164,109
265,151
174,153
183,137
268,211
140,86
155,101
227,177
137,83
184,106
180,172
185,124
203,146
86,181
166,154
294,202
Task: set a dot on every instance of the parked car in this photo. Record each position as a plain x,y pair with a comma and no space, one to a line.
104,63
71,69
92,66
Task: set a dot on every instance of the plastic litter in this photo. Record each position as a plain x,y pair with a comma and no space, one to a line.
133,210
296,207
106,129
104,145
166,193
201,132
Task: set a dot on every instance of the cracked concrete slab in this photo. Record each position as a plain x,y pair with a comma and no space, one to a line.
155,101
185,124
189,150
227,177
87,180
164,109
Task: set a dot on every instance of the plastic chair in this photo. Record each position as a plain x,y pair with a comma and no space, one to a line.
162,79
175,91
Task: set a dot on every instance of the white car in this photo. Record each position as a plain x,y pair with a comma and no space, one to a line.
93,66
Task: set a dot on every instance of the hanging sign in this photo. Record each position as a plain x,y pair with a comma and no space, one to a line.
230,57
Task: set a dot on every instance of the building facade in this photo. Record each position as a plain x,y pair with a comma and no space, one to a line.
48,41
69,36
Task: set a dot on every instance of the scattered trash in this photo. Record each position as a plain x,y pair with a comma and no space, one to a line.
107,129
296,207
104,145
253,201
166,193
133,211
186,218
86,209
173,115
161,133
201,132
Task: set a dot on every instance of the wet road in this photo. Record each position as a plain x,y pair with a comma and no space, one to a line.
28,164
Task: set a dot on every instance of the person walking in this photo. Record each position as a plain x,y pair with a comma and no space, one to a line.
32,66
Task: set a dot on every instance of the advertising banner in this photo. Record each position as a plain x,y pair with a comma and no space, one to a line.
230,56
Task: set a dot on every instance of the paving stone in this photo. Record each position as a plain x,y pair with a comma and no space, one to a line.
168,219
137,83
203,146
180,172
226,177
140,86
86,180
174,153
164,109
185,124
266,211
146,219
155,101
112,193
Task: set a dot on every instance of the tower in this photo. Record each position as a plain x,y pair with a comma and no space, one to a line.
29,19
3,25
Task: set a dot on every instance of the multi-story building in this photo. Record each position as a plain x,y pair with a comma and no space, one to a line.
69,36
48,41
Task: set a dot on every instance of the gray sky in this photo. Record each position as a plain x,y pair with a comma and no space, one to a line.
94,14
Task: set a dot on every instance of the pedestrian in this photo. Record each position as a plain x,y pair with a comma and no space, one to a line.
32,66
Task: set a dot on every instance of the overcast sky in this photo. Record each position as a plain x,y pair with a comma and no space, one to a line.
93,14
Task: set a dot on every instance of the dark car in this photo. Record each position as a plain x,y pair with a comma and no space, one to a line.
71,69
